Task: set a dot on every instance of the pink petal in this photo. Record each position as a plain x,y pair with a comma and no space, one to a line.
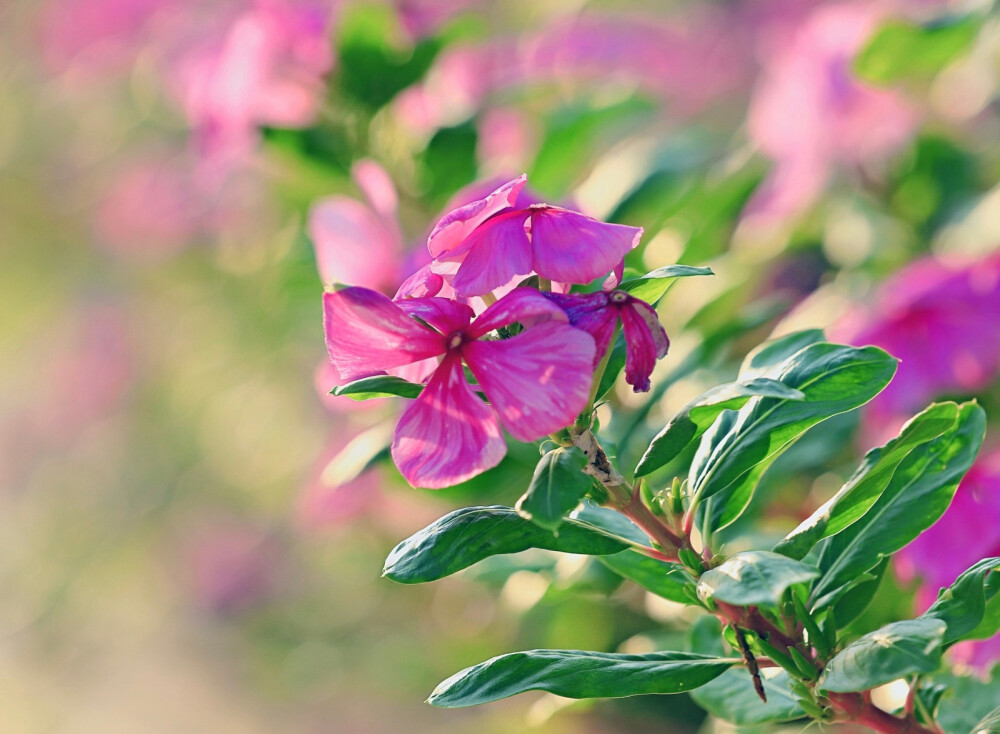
615,278
498,251
646,342
422,284
366,333
574,248
354,244
377,186
593,313
538,381
444,315
447,435
523,305
458,224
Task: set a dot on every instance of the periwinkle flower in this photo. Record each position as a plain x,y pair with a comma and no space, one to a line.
599,313
493,243
536,382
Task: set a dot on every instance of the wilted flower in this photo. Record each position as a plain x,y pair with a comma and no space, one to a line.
598,314
537,382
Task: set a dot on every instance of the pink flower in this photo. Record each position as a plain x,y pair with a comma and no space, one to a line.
598,314
494,243
809,112
355,242
537,382
942,322
263,66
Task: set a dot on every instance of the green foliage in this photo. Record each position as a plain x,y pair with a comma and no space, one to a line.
653,285
857,496
578,674
920,490
467,536
901,50
379,386
962,606
669,580
740,445
894,651
695,418
754,577
557,487
989,724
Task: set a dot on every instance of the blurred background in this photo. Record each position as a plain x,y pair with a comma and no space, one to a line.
192,531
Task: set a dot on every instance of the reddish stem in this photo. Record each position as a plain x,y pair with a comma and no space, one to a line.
864,712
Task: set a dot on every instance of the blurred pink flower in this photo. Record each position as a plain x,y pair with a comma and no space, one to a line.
943,322
687,63
257,64
151,207
355,242
423,18
96,35
231,566
809,113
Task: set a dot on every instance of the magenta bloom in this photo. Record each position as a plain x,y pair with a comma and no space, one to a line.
537,382
494,243
598,314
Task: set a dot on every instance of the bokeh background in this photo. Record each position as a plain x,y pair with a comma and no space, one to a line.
192,532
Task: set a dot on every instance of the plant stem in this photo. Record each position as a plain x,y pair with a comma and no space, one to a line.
860,709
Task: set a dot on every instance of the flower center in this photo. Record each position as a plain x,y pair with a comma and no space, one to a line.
619,297
455,340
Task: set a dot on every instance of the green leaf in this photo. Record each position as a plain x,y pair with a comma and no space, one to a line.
894,651
966,700
962,606
859,595
695,418
653,285
772,353
754,577
731,696
668,580
615,365
609,522
990,724
379,386
857,496
901,50
467,536
741,445
579,674
557,487
918,493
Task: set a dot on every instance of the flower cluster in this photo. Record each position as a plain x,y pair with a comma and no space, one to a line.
468,323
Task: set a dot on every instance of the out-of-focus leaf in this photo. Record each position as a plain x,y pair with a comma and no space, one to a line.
668,580
989,724
754,578
467,536
962,605
869,480
557,487
920,490
578,674
379,386
651,286
741,445
966,699
894,651
695,417
901,50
